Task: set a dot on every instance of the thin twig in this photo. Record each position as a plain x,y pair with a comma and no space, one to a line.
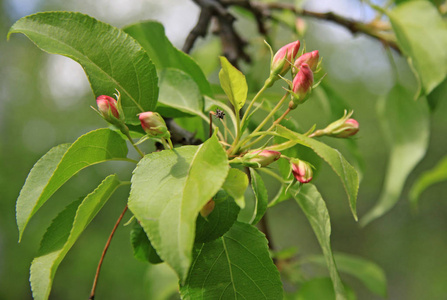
386,38
263,224
211,124
95,281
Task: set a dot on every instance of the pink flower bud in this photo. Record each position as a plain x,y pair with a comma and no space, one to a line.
302,83
347,129
261,158
301,170
153,124
107,105
310,58
282,58
342,128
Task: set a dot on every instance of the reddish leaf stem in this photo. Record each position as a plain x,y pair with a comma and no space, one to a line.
95,282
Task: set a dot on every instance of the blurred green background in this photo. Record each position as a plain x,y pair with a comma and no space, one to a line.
45,99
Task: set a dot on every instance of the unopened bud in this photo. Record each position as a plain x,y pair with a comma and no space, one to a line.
207,208
347,129
281,60
302,84
261,158
154,125
301,170
342,128
309,58
107,107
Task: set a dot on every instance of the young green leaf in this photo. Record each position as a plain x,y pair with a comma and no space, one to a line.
425,48
233,83
63,233
235,185
316,212
219,220
179,92
169,188
333,157
427,179
142,247
151,35
261,196
369,273
236,266
60,164
406,125
111,58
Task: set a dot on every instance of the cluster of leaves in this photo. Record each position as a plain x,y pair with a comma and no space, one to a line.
220,255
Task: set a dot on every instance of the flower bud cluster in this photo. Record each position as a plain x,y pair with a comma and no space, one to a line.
303,68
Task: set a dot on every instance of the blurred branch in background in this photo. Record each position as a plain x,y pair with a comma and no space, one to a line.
233,44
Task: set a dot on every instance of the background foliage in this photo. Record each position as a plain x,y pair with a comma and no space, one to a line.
45,100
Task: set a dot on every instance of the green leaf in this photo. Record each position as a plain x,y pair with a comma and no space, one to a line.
233,83
422,35
316,212
166,280
179,91
168,190
437,174
151,35
57,166
235,185
320,289
142,247
236,266
405,123
261,196
219,220
369,273
333,157
437,95
111,58
63,233
35,183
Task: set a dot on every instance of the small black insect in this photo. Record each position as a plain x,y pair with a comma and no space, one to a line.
220,114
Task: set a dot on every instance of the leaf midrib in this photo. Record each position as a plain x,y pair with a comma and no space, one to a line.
183,197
